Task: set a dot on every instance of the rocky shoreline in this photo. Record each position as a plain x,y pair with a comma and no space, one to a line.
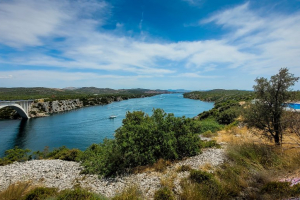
65,174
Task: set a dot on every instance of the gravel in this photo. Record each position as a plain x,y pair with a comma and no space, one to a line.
65,174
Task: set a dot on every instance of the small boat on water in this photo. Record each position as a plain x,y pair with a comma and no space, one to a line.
112,116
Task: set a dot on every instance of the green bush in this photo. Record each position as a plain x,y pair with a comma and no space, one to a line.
254,155
143,140
104,159
63,153
41,193
277,189
15,154
164,193
78,194
200,176
209,144
209,124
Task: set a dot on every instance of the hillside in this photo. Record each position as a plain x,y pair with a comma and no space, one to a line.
67,93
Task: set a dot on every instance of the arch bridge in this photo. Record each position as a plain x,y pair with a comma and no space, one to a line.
21,106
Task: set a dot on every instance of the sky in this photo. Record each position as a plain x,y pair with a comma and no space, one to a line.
154,44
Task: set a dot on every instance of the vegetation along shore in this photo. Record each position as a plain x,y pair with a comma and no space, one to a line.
240,149
51,100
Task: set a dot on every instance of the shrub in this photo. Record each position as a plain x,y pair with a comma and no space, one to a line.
40,193
15,191
143,140
277,189
161,165
209,144
15,154
130,193
209,124
63,153
78,194
184,168
210,189
104,159
257,155
209,134
164,193
200,176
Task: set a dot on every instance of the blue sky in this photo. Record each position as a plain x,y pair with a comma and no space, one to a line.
169,44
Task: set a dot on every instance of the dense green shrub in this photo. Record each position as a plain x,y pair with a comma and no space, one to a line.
15,154
209,124
164,193
200,176
103,159
143,140
41,193
78,194
209,144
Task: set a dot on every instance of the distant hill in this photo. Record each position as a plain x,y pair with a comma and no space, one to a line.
67,93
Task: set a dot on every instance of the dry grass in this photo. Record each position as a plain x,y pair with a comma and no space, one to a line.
131,192
206,167
16,191
168,179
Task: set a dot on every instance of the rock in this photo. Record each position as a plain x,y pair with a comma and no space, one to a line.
65,174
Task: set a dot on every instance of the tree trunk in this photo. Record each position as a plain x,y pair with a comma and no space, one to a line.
277,138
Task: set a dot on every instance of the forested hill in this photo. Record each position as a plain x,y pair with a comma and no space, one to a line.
68,93
219,95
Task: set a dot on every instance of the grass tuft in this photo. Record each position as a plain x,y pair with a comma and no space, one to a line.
15,191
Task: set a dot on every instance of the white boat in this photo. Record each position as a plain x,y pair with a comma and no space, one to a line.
112,116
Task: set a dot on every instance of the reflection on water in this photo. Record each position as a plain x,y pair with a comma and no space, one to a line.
80,128
21,136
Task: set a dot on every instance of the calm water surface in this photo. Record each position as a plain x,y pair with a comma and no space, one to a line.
80,128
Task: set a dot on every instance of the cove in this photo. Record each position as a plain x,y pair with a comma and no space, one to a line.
82,127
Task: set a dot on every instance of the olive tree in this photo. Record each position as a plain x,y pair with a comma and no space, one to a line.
266,113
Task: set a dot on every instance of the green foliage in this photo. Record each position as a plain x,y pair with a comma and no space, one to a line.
226,108
260,156
103,159
78,194
209,134
209,144
219,95
280,190
63,153
15,154
41,193
200,176
15,191
203,186
266,113
164,193
209,125
143,140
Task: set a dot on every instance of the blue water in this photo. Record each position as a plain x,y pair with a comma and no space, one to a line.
82,127
294,105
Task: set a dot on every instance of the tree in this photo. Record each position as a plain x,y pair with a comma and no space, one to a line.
266,113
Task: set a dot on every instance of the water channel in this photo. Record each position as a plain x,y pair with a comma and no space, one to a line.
82,127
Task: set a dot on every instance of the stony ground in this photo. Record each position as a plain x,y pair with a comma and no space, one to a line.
63,174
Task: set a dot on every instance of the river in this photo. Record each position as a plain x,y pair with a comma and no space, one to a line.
82,127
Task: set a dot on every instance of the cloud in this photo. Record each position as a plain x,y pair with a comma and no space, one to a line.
5,77
271,41
251,43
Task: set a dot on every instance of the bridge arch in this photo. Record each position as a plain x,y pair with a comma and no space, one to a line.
20,110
